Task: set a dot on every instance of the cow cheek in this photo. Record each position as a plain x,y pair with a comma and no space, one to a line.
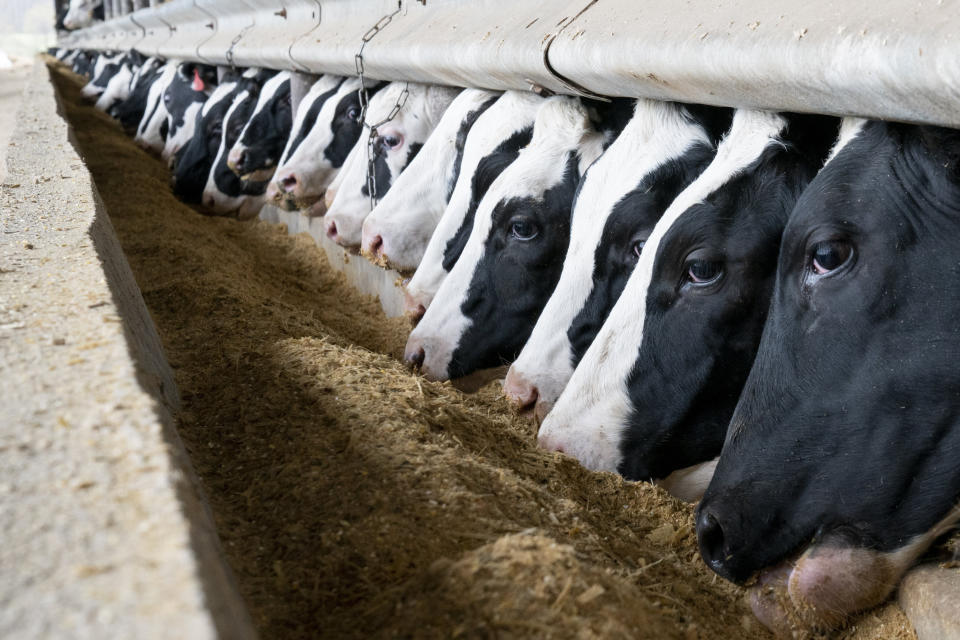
512,282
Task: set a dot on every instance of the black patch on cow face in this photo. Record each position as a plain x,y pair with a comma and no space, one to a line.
850,418
106,74
699,339
489,167
624,233
310,120
381,170
130,113
461,141
346,126
226,181
267,132
521,264
194,159
716,121
180,94
609,117
98,11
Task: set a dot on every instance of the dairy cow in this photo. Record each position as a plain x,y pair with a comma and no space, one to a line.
492,143
192,163
488,304
654,391
83,62
152,130
661,150
398,229
183,97
326,129
82,13
225,192
840,463
104,68
255,154
132,110
395,145
118,86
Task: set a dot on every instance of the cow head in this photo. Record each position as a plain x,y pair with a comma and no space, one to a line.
486,308
81,13
225,192
325,130
394,145
183,97
492,143
397,231
106,66
840,464
660,151
255,154
192,163
131,112
653,393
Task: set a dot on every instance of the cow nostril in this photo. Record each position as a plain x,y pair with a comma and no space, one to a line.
376,246
416,357
289,183
332,230
712,541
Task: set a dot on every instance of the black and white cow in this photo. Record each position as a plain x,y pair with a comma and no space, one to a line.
82,13
654,391
255,154
396,144
83,62
325,130
183,97
192,163
492,143
397,231
488,304
131,111
663,148
105,67
152,131
225,192
119,83
840,466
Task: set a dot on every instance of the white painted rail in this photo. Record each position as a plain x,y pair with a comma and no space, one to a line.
894,59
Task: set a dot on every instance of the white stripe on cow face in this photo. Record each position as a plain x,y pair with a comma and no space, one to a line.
849,129
657,133
511,113
148,133
268,95
397,231
562,128
591,414
305,172
243,206
397,142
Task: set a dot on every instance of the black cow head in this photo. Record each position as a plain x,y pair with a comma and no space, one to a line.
840,463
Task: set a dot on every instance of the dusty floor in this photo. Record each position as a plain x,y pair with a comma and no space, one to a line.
357,500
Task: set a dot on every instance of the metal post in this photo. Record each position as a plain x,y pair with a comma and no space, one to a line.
300,84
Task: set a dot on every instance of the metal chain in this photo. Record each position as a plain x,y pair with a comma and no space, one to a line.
234,42
364,98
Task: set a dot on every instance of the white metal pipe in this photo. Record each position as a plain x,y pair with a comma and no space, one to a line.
894,59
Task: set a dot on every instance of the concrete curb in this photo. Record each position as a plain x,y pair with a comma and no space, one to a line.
105,534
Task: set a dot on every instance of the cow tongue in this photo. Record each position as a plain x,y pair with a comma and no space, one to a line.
808,595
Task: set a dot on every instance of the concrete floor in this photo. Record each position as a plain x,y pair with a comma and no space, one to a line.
12,81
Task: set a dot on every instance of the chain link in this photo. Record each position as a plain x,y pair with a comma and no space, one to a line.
364,98
234,42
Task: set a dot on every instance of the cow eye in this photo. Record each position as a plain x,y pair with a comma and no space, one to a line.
523,229
392,141
703,272
830,255
637,248
353,113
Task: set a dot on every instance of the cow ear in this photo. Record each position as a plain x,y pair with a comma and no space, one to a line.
944,144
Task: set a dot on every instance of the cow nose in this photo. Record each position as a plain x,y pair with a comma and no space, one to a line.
376,246
332,230
520,391
713,542
208,201
415,356
289,183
